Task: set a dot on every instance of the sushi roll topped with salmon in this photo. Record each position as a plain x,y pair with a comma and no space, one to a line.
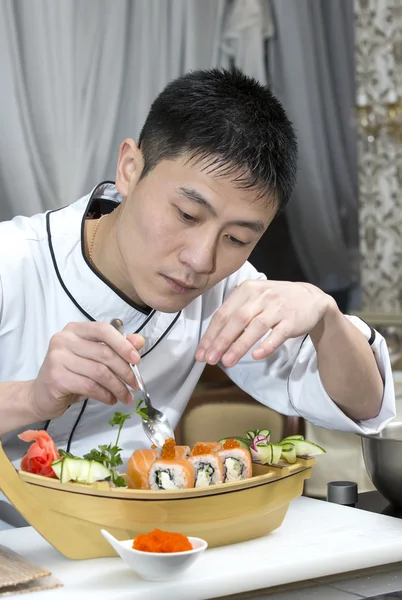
205,448
138,468
237,463
171,474
207,464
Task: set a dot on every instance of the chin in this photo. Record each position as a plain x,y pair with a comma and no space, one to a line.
168,304
171,306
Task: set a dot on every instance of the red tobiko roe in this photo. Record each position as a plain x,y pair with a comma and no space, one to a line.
162,541
230,444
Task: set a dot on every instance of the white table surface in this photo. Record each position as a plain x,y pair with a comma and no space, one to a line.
317,539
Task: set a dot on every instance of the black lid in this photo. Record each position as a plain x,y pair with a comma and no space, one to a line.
342,492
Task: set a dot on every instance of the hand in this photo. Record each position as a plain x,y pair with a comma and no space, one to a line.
253,308
85,360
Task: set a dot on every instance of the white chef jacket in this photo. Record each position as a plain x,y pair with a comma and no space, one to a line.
47,282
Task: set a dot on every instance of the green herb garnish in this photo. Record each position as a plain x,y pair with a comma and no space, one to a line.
107,454
65,454
141,410
119,419
118,480
110,457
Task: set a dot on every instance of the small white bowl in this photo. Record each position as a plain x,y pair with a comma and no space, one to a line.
157,566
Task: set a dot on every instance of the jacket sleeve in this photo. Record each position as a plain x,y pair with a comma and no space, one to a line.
289,382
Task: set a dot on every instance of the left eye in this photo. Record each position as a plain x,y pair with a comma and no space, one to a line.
186,217
235,241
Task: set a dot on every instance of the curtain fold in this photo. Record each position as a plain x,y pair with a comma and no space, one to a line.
311,64
77,78
247,25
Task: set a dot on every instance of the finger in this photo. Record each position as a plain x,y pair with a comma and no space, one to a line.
220,318
138,342
250,336
106,333
103,354
214,343
83,386
235,327
101,375
279,334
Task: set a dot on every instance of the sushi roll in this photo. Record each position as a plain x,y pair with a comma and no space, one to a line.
182,452
237,464
171,474
206,448
138,467
208,469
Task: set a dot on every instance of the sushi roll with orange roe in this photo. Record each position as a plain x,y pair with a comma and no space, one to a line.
237,464
205,448
171,474
182,451
208,468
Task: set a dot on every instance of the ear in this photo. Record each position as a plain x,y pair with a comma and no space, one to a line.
129,167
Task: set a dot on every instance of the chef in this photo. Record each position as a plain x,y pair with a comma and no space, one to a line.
164,248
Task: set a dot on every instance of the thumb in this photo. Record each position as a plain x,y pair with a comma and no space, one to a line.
136,340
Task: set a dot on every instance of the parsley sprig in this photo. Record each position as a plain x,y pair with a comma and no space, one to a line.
141,410
110,457
119,419
108,454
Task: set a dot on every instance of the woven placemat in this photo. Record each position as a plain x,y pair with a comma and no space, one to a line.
19,576
43,583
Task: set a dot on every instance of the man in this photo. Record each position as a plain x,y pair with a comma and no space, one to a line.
165,250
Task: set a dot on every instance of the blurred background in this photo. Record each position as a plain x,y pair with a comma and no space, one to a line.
78,76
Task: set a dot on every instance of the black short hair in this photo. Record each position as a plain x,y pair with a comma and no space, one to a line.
230,121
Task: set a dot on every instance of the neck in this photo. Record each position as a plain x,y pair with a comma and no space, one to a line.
102,250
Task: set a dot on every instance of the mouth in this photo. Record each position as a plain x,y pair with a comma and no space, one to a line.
178,286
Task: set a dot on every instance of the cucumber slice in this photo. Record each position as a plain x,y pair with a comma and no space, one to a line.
264,453
57,466
61,469
244,443
251,434
305,448
291,438
66,469
97,472
289,452
268,454
80,470
276,453
266,432
65,475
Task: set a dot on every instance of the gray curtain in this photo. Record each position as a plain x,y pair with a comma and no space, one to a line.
77,77
311,67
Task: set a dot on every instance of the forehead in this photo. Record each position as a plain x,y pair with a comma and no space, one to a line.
219,186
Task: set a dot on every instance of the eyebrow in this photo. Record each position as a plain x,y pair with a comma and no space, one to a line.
191,194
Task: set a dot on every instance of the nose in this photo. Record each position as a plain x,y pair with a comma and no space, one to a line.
199,253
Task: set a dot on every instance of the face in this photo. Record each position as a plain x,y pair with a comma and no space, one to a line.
181,230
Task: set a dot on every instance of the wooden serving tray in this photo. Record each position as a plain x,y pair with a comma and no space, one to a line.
70,516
